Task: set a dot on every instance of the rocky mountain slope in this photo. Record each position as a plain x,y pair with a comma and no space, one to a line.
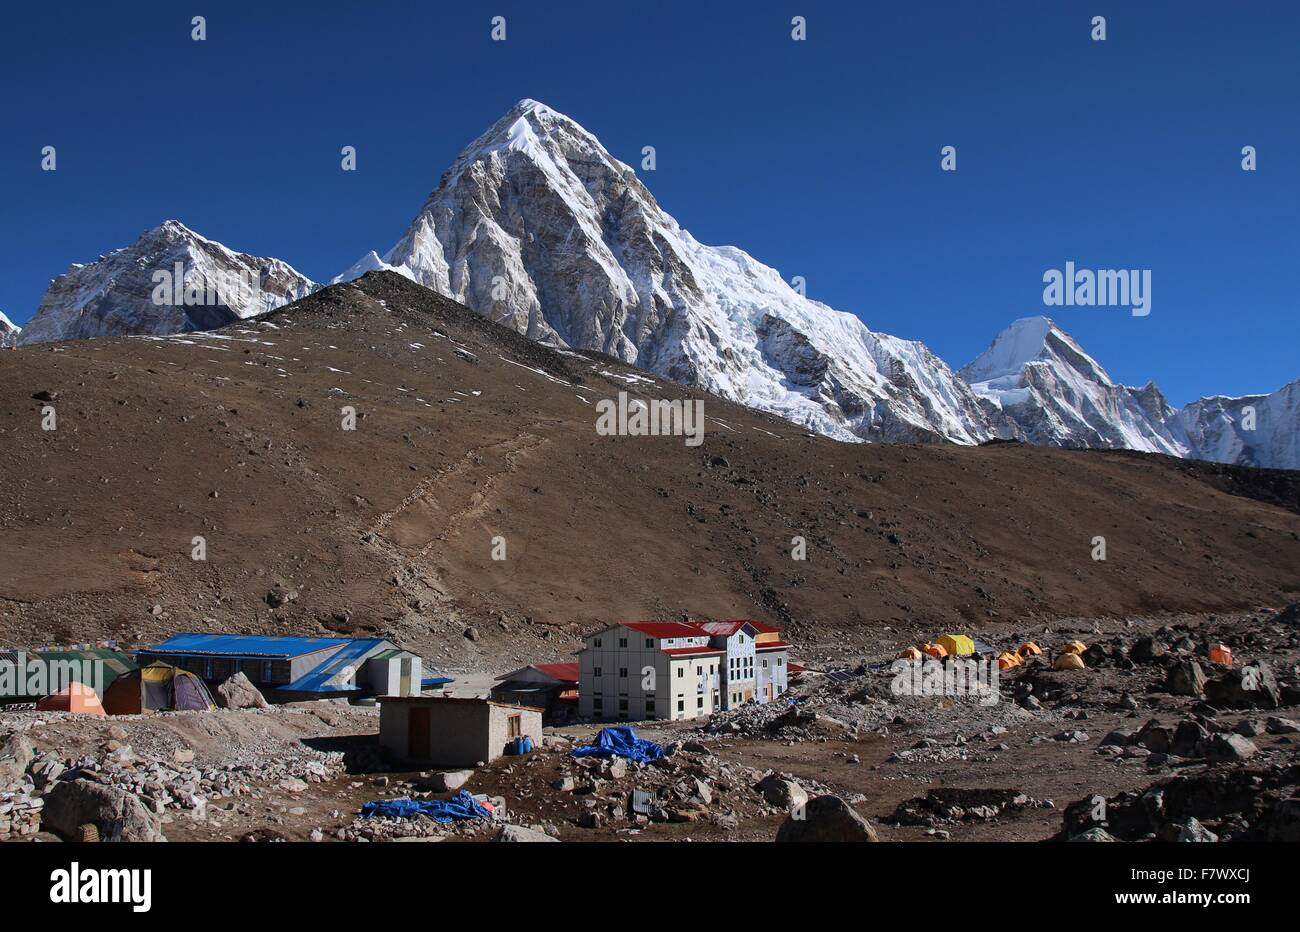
8,331
467,432
1253,430
1038,385
171,280
1048,391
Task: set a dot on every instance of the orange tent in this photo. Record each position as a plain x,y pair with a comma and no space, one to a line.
75,697
934,650
1221,653
1070,660
1074,647
1007,660
911,654
1029,649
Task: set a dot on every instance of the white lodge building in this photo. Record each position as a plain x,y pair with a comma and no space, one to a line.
639,670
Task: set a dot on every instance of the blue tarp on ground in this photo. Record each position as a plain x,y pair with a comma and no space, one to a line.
460,806
621,740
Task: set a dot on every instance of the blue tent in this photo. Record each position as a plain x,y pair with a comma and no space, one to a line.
621,740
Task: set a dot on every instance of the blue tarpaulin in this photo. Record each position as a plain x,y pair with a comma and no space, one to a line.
460,806
621,740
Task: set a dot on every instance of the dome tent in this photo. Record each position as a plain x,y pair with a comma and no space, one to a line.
957,645
158,687
75,697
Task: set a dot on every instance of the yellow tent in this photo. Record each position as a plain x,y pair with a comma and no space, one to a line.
1069,661
1074,647
1029,649
957,645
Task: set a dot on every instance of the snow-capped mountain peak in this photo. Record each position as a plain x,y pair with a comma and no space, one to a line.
170,280
1033,339
537,226
1038,384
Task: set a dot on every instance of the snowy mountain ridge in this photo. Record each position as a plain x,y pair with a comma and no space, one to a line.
537,227
9,331
171,280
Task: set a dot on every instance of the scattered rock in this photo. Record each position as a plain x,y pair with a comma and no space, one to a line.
519,833
825,818
117,814
238,692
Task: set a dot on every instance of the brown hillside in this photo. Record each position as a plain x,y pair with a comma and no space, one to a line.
467,431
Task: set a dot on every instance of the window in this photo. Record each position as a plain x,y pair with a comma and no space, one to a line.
622,672
622,705
622,642
681,672
514,726
681,705
597,703
596,642
780,661
699,703
699,670
649,642
596,671
764,663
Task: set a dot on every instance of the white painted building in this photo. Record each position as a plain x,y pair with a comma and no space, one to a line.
640,670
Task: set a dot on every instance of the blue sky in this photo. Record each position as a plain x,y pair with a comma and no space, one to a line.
820,158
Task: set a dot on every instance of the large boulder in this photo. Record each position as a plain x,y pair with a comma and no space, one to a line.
1186,678
519,833
117,814
238,692
782,792
1094,835
1227,747
16,754
825,818
1188,740
1155,737
1251,687
444,781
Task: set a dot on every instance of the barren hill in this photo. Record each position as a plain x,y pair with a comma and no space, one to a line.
467,432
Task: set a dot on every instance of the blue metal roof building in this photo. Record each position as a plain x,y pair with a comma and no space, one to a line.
287,667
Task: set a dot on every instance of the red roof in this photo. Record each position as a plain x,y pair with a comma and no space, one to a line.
772,645
666,629
722,628
564,672
759,626
681,651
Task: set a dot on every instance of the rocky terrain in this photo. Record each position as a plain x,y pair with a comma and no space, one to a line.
9,332
205,286
1152,740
